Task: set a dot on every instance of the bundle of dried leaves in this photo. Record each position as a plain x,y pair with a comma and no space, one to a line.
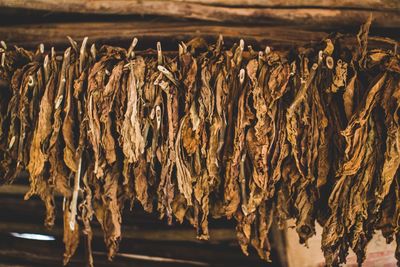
313,134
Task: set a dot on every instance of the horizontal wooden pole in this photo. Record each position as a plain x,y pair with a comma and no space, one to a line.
129,232
327,13
121,33
55,33
367,4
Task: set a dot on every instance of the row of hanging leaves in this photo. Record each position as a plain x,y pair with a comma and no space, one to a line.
311,134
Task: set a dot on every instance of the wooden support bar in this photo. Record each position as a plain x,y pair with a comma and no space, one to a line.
121,33
317,14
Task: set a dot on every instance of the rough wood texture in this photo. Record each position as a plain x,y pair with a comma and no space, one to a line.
377,4
385,13
54,34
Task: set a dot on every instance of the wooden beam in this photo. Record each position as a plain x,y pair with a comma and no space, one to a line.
106,32
129,232
339,4
14,189
121,33
296,12
366,4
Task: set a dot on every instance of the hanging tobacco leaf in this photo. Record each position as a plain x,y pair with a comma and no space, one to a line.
257,136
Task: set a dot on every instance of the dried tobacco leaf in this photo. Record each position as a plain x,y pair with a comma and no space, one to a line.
256,136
